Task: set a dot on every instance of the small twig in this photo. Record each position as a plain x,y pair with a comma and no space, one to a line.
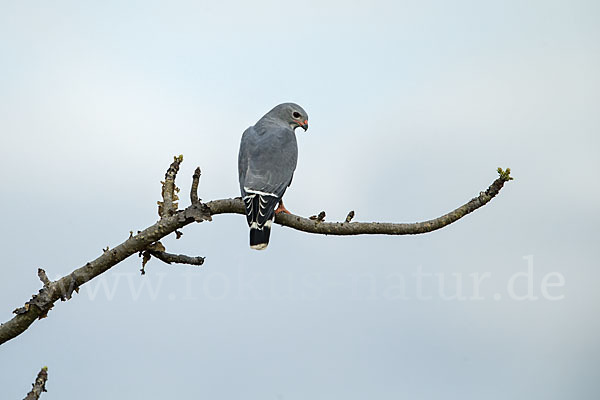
318,218
194,190
39,386
177,258
147,253
43,277
158,251
350,216
168,207
145,258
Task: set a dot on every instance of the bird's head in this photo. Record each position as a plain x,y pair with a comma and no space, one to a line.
292,114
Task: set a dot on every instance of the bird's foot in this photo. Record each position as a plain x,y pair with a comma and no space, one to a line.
281,209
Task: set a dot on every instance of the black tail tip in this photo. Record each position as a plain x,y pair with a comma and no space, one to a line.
259,238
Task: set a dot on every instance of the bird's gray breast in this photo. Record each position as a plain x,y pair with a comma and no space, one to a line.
267,159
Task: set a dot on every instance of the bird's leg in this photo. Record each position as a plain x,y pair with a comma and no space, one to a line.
281,208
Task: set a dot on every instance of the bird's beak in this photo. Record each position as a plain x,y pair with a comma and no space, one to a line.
304,125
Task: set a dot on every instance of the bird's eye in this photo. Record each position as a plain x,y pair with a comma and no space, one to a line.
296,114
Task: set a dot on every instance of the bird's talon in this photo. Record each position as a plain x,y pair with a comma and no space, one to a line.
282,209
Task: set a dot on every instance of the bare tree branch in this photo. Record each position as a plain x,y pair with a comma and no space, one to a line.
318,218
172,220
194,189
43,277
316,225
168,207
42,302
177,258
158,250
350,216
39,385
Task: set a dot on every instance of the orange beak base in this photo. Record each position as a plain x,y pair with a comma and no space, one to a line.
304,125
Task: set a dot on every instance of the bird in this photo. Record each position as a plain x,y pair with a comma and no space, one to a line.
266,163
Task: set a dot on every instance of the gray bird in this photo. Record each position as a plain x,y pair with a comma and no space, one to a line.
266,165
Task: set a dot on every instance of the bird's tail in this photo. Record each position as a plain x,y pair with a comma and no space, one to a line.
259,238
260,213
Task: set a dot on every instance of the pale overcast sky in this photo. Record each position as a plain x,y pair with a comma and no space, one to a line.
412,107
